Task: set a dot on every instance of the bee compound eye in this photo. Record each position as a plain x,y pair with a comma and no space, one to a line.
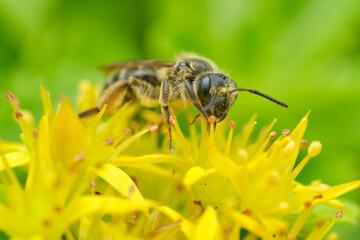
204,90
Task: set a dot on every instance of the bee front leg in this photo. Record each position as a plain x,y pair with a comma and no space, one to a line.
164,99
192,98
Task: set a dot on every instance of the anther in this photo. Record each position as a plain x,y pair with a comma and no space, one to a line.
212,119
153,128
319,223
92,183
135,125
339,214
9,96
126,132
285,132
46,222
314,148
272,134
109,141
172,120
307,204
318,196
289,149
179,220
247,212
284,206
35,133
232,124
131,189
62,97
273,177
18,114
80,157
303,143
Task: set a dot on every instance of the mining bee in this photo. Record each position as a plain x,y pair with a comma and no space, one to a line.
190,78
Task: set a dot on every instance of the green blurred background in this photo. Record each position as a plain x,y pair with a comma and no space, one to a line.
306,53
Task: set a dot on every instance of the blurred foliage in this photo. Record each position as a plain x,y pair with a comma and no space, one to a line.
306,53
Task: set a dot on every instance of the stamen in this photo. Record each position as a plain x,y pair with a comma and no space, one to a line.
9,96
62,97
319,223
232,124
135,125
307,204
57,209
314,148
131,189
35,133
339,214
333,236
212,119
284,206
285,132
273,178
126,132
109,141
18,114
80,157
46,223
318,196
272,134
172,120
179,220
153,128
243,156
92,183
247,212
303,143
290,148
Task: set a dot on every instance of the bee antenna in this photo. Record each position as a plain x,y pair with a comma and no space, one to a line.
261,94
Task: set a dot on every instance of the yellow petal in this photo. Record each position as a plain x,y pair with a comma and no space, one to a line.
68,137
154,158
195,174
87,205
7,147
186,227
251,225
208,226
337,191
16,159
120,181
47,105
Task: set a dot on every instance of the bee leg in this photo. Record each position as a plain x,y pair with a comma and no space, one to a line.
192,98
193,121
89,112
164,99
114,95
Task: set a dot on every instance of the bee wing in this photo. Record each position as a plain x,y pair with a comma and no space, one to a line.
136,63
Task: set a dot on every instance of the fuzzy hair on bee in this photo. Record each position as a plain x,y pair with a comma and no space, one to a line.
191,78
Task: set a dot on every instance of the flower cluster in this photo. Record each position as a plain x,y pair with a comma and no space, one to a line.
113,177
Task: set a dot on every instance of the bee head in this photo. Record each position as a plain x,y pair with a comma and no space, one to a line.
216,93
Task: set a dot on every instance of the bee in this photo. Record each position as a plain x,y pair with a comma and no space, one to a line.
191,78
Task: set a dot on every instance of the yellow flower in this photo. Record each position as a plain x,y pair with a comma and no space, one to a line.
108,177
